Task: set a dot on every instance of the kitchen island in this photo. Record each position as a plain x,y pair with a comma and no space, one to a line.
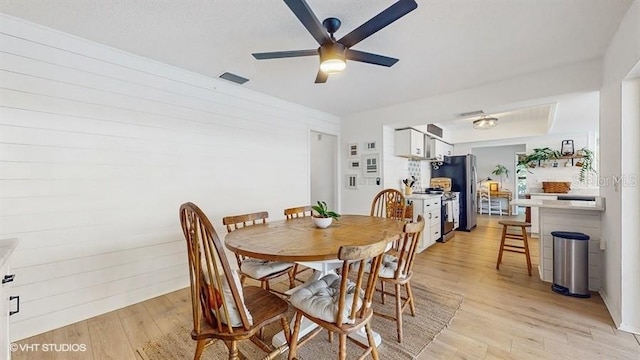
569,215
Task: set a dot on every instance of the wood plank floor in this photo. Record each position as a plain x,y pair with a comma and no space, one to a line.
505,314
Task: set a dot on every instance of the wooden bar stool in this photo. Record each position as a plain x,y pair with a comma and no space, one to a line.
522,249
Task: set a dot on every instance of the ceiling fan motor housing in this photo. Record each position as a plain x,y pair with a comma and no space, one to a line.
331,24
332,51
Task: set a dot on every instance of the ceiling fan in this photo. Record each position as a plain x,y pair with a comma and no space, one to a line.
334,53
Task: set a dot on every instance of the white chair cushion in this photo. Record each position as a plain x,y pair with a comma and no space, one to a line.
234,314
320,299
388,267
258,269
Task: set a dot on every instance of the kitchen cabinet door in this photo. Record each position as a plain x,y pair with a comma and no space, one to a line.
435,228
409,143
441,149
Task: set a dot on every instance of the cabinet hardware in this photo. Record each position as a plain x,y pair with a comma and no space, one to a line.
17,298
8,278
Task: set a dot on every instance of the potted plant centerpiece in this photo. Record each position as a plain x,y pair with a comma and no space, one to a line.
323,216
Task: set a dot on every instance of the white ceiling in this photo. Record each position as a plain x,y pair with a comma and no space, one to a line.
443,45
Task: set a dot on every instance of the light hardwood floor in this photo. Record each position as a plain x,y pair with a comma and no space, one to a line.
505,314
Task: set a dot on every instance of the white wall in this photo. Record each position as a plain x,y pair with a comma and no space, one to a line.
619,153
488,157
98,148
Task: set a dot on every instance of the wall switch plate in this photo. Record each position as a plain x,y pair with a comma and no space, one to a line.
377,181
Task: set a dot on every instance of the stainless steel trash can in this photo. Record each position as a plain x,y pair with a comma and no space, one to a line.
571,263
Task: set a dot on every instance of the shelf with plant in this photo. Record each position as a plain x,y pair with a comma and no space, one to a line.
537,156
584,156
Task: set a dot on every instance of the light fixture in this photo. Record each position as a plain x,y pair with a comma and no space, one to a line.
485,123
332,58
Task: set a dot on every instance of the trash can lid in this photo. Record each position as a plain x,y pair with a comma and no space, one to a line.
570,235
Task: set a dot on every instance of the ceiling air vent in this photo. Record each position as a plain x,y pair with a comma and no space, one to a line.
434,130
234,78
470,114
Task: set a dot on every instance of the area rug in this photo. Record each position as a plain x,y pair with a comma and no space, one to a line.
435,309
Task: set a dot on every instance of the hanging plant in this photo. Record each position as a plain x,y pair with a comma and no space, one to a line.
586,164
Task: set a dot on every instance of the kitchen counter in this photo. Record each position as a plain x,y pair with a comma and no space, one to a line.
416,196
576,192
597,205
574,216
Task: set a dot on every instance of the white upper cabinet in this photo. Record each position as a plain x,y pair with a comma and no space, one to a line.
409,143
441,149
438,149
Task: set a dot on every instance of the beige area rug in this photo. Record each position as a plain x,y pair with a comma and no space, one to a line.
435,309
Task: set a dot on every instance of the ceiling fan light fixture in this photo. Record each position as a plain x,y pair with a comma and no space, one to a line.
332,58
485,123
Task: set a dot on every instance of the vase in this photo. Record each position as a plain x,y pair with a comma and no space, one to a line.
322,223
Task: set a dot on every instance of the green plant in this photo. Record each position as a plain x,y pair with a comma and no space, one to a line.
539,154
501,170
323,212
586,164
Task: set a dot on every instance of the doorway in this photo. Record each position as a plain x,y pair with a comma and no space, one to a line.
324,168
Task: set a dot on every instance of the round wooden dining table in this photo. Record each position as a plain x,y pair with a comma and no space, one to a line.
298,240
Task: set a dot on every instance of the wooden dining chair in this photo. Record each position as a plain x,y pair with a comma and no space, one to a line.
295,213
223,309
397,270
258,269
389,203
338,304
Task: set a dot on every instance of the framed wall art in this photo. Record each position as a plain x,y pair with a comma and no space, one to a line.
371,164
352,150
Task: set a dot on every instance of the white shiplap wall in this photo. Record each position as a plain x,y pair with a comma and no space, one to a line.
98,148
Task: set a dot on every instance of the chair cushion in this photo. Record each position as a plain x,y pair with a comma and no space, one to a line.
320,299
257,268
388,267
234,314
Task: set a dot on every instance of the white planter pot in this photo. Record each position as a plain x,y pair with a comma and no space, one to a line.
322,223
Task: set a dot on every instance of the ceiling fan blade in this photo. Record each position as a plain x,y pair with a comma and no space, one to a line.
284,54
322,77
386,17
370,58
303,12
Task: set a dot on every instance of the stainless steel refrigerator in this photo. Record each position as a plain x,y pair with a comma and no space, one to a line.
464,179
